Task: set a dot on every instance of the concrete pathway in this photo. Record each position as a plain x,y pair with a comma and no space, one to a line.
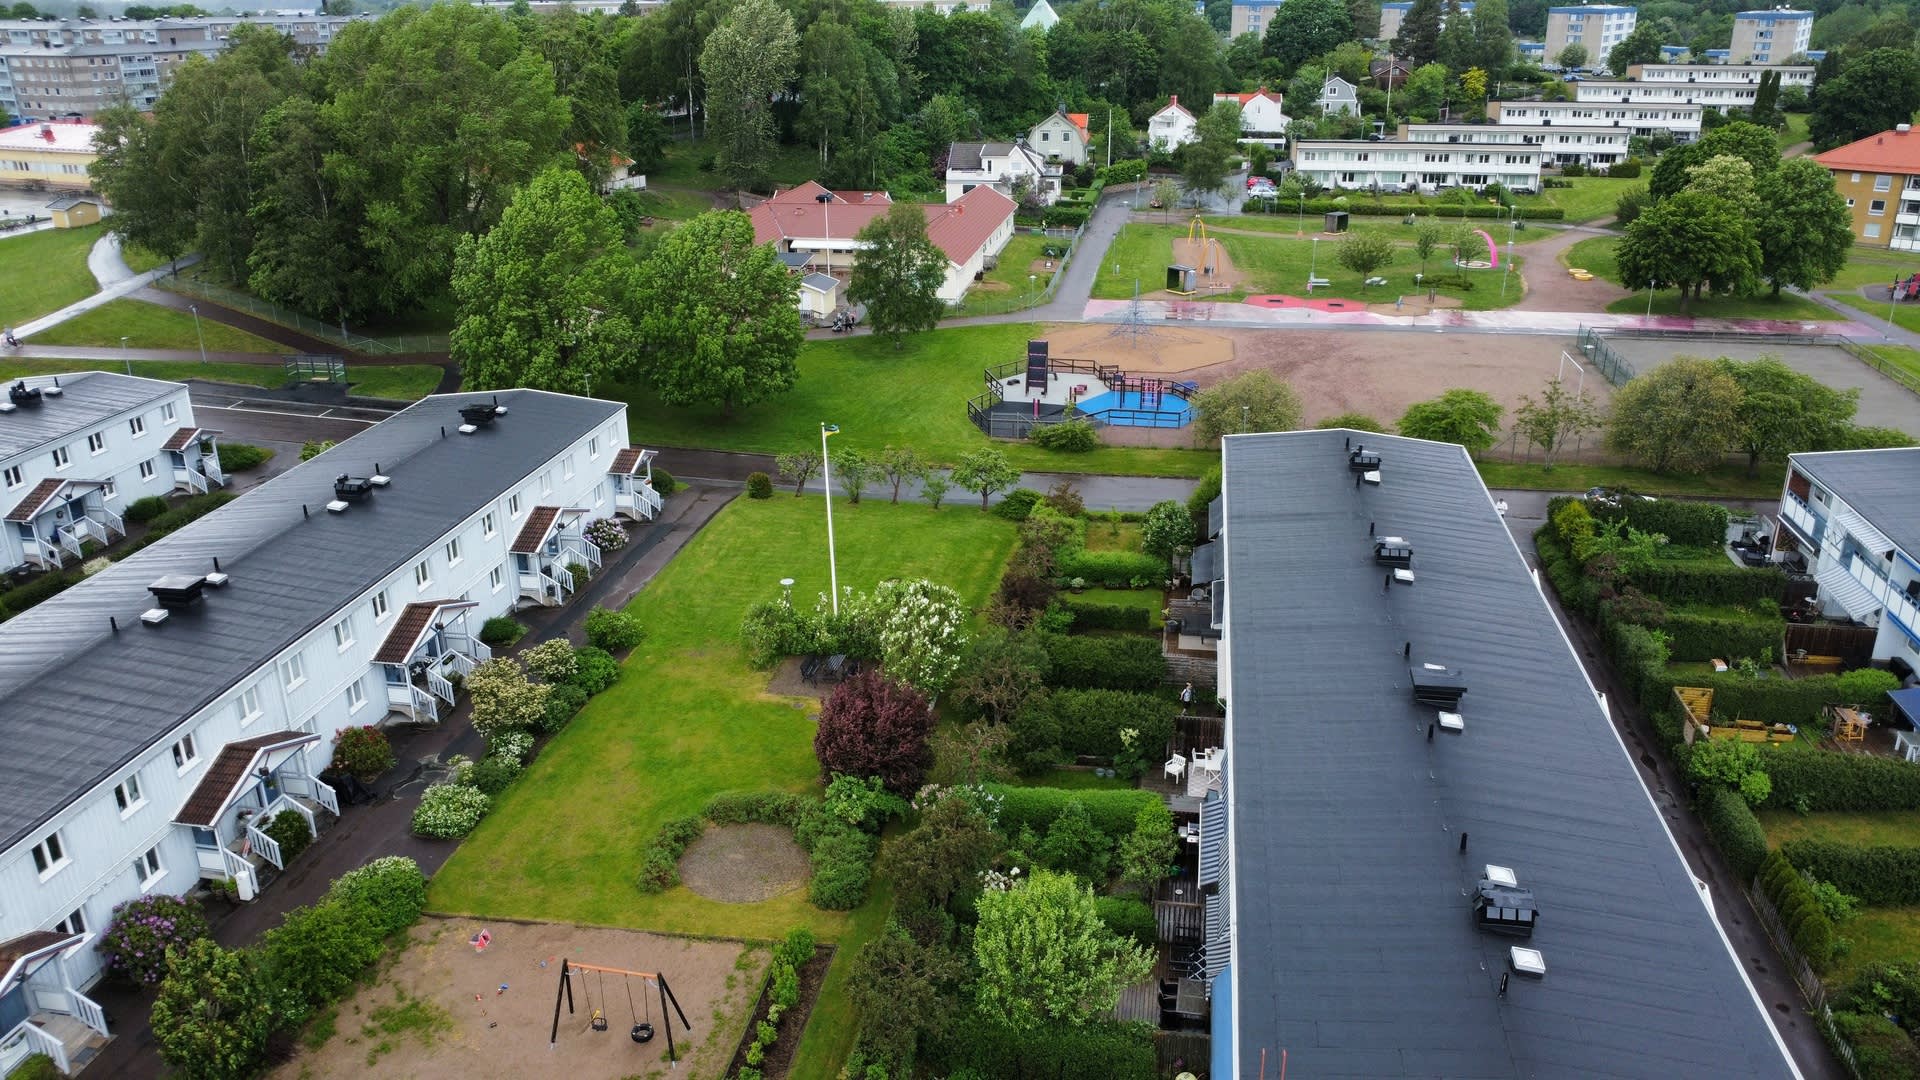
106,263
116,280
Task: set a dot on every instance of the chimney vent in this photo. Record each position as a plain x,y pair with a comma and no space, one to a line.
177,591
352,489
1506,909
1360,460
1527,961
1437,685
1903,128
1452,721
467,429
52,391
475,415
21,394
216,579
1392,551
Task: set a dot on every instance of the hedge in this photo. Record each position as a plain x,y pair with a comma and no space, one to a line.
1799,909
978,1047
1088,615
1734,829
1708,581
145,509
1768,700
1105,663
1112,811
1112,569
1129,918
1881,875
1824,781
1881,1049
1639,658
18,599
1690,524
1438,211
188,512
1577,591
1090,721
1694,635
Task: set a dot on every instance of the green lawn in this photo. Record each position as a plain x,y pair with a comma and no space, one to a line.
1900,828
1890,934
1594,254
1591,198
1006,287
139,259
1111,535
44,271
914,397
675,204
402,382
149,326
1899,356
1874,266
1597,254
1077,780
792,164
1794,131
689,718
1905,315
408,381
1282,264
1729,481
1149,600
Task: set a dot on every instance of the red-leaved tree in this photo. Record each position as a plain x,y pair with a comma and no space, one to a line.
873,726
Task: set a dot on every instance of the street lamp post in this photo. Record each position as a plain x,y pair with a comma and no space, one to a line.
195,308
826,480
1313,263
1649,299
124,358
1300,229
1893,297
1504,278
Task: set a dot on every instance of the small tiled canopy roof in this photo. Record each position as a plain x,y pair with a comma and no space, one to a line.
539,523
43,493
229,768
16,953
184,437
410,627
630,460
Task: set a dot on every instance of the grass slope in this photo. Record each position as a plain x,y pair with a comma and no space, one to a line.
1591,198
1727,482
148,326
1009,289
44,271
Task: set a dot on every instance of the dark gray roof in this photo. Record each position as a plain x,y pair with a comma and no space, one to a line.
1355,948
78,701
68,202
86,398
969,155
1878,484
820,282
1206,563
796,260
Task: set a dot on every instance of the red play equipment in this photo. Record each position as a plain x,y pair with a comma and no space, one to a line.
1908,289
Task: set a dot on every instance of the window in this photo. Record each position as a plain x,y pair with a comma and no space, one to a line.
126,795
248,705
1856,178
423,574
146,470
137,425
496,578
1882,182
1877,207
343,634
546,481
166,413
453,552
147,869
593,448
1872,232
599,494
185,754
49,855
61,459
566,467
1849,204
356,697
14,476
293,671
486,526
380,606
75,923
513,505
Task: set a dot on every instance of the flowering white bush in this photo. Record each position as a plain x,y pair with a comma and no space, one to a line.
450,811
922,632
503,699
606,534
513,745
551,661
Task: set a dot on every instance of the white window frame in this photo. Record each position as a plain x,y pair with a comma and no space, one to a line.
249,705
167,412
453,552
513,505
61,458
487,528
356,696
1882,182
423,574
146,470
128,796
293,672
497,577
566,467
1871,232
382,606
76,923
50,855
186,753
14,476
138,426
1877,208
343,634
546,481
593,448
97,443
149,869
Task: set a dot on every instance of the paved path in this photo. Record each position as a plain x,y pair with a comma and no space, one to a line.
1549,288
116,280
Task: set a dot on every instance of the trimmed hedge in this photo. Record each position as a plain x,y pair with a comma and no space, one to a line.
1881,875
1104,663
1734,829
1440,212
187,513
978,1047
1577,591
1112,569
1112,811
1708,581
1129,918
1689,524
18,599
1821,781
1768,700
1090,721
1088,615
145,509
1799,909
1693,635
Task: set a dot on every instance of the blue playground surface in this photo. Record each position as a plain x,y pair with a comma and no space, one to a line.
1129,408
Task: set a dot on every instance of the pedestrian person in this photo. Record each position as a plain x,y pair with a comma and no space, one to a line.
1186,695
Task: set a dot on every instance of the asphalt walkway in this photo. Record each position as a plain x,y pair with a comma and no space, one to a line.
116,279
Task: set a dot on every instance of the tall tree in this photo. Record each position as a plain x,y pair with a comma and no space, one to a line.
1727,177
1783,411
1573,56
1468,417
1559,416
1670,172
1640,46
897,273
1205,159
1044,955
1809,230
746,61
1366,18
1492,37
904,991
584,78
1682,416
546,296
1749,142
1692,241
212,1016
1457,50
1191,64
1419,37
1873,92
719,322
152,200
1303,29
1890,31
1765,109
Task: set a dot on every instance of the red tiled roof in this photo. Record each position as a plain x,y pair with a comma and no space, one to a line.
962,226
182,438
229,768
627,461
409,628
1079,120
958,232
36,499
27,944
534,532
1263,92
1173,102
1896,152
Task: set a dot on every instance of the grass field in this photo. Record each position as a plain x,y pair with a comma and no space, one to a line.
139,259
44,271
149,326
406,381
1148,600
675,204
1282,264
1793,131
1874,266
1729,481
1006,287
1597,254
791,165
1591,198
912,397
1906,316
1897,828
689,718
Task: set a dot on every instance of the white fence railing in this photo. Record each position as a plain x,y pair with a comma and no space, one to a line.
267,846
87,1012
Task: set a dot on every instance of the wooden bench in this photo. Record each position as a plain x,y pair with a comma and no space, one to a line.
1317,282
1821,661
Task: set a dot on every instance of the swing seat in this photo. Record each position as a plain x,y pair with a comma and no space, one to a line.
643,1032
599,1022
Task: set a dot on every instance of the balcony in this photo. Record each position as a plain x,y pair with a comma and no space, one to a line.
1811,525
1891,599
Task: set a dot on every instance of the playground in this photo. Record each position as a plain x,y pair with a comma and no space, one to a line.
446,1010
1048,387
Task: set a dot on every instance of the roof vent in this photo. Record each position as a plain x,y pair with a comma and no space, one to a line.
1527,961
1903,128
216,579
337,506
52,391
467,429
477,414
1402,575
1392,551
352,489
1506,909
1359,459
154,616
22,394
1436,685
1371,477
1500,875
176,591
377,480
8,406
1452,721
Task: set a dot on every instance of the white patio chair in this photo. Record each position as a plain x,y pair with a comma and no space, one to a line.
1176,768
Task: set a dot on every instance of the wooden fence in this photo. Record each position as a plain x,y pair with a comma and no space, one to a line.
1852,644
1802,974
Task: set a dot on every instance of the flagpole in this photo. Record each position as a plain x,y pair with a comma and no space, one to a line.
826,479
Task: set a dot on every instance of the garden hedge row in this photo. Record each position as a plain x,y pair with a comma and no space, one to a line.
1129,918
1690,524
1361,206
1090,721
1768,700
1088,615
1112,569
1104,663
1708,581
1880,875
1693,635
1569,579
1823,781
1112,811
980,1048
1734,829
1800,910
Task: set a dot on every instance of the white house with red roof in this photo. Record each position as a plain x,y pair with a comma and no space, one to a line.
824,224
1172,127
1061,137
1261,118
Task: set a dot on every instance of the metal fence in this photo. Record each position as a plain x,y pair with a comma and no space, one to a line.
366,345
306,367
1610,363
1617,370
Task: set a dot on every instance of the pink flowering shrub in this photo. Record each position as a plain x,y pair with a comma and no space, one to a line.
136,943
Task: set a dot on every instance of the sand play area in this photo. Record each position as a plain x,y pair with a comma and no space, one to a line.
438,1012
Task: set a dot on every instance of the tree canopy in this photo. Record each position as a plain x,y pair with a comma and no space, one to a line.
1782,411
1467,417
1809,230
898,272
1303,29
1874,91
1693,241
1044,954
1682,416
1255,401
747,60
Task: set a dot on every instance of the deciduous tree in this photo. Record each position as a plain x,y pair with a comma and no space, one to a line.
747,60
1043,954
1573,56
1682,416
984,472
1167,532
212,1016
1554,420
871,725
1694,242
855,471
898,272
1419,37
1641,46
1365,252
898,465
1783,411
1303,29
1726,177
922,632
1874,91
1147,854
1205,160
1255,401
1467,417
1749,142
797,468
1809,230
1002,671
718,315
1492,36
904,991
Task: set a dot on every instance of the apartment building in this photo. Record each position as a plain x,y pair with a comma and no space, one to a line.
158,713
1394,11
1590,146
1879,176
76,450
1773,36
1428,852
1251,17
1800,75
1722,96
73,68
1683,121
50,155
1594,27
1852,514
1424,166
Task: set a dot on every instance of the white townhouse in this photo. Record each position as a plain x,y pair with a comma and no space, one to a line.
1062,136
1172,127
1561,146
1337,95
1417,166
76,449
1000,166
1683,121
1721,96
1727,74
1853,515
160,712
1263,118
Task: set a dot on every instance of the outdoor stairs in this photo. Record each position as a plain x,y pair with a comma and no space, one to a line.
82,1042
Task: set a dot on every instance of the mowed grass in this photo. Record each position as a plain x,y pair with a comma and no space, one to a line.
1879,935
407,381
1906,314
1597,254
1729,481
916,396
401,382
1006,287
1861,830
149,326
44,271
1591,198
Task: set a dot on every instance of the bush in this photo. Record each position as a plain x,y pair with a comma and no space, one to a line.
1799,908
1356,421
1128,918
594,670
239,457
1018,503
1881,875
16,600
213,1013
1112,569
1695,635
450,811
496,773
36,1067
977,1047
606,534
143,929
501,631
1769,700
759,486
1104,663
660,865
1070,436
188,512
1821,781
1111,811
781,808
390,892
1689,524
1625,170
842,866
563,702
1734,829
613,629
290,830
316,953
1881,1050
515,746
551,660
663,483
873,726
1090,721
1066,217
364,752
1708,581
145,509
312,449
1866,687
1088,615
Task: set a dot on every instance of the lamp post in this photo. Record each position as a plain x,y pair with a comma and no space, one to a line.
195,308
1300,229
826,480
1649,299
786,591
124,358
825,199
1504,278
1033,286
1313,263
1893,297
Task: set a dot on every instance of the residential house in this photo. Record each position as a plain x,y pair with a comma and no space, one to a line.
77,449
1800,75
1879,176
1005,167
159,713
1061,137
1429,849
1590,146
1172,127
1680,120
1392,12
1251,17
1596,28
1337,95
1389,72
1851,513
1721,96
808,223
1262,118
51,155
1040,17
1395,165
1773,36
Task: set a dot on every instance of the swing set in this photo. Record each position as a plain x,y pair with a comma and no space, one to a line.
642,1030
